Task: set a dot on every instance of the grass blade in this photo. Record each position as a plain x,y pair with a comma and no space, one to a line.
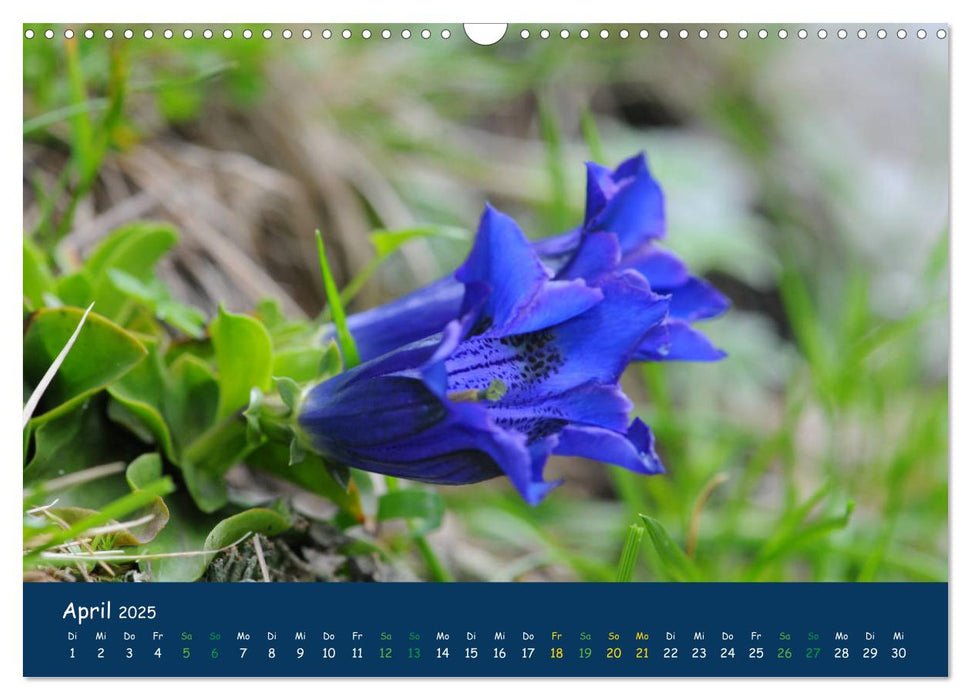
675,561
344,339
628,557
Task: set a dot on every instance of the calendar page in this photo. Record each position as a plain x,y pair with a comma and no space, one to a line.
485,350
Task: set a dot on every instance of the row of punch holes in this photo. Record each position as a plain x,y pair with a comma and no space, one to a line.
446,33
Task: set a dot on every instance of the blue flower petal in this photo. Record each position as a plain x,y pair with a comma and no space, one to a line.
696,300
627,202
662,268
685,344
605,406
598,344
597,256
521,296
419,314
633,451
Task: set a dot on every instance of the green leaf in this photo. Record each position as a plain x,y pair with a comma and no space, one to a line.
69,442
133,250
675,562
205,462
297,452
74,289
38,279
311,474
114,511
103,353
299,364
191,400
289,391
330,363
252,415
425,506
186,531
192,537
143,470
142,392
156,298
243,359
387,242
255,520
185,318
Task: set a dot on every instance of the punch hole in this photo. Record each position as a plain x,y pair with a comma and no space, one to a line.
129,33
743,34
148,34
821,34
366,34
783,34
109,33
881,34
921,34
386,34
446,34
803,33
405,33
703,33
545,34
604,34
327,34
227,34
564,34
49,33
723,34
267,33
88,34
207,34
763,34
663,33
485,34
168,34
861,34
901,33
623,33
941,34
29,34
683,34
68,33
644,34
841,33
287,34
307,34
584,34
524,34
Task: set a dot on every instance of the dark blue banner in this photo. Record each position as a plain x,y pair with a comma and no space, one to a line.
476,629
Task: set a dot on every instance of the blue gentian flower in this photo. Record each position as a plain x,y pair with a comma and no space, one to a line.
529,367
623,221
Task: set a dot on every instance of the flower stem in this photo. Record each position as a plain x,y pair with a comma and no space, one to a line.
435,566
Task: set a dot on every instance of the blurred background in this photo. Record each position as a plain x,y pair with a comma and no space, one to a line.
808,179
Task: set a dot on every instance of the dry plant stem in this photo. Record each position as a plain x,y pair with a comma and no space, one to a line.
258,548
81,477
695,523
84,544
48,377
